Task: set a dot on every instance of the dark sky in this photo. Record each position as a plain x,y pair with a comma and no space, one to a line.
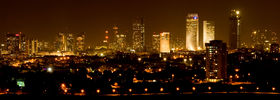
44,18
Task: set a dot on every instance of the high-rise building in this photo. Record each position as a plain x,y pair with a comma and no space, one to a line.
138,29
216,61
165,42
65,42
155,43
121,42
234,37
16,43
274,48
208,32
192,31
80,42
34,46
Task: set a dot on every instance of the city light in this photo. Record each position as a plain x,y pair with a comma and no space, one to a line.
177,89
98,91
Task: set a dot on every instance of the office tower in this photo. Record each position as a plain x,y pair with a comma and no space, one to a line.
165,42
70,44
34,46
113,32
234,37
192,32
16,43
121,42
65,42
274,48
138,29
208,32
216,61
155,43
80,42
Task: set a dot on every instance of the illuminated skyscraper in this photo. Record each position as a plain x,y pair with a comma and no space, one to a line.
80,42
234,37
165,42
65,42
192,32
155,43
16,43
208,32
34,46
138,37
216,60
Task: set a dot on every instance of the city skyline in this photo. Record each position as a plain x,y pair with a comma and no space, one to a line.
37,19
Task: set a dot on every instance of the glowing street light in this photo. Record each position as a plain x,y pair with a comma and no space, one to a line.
257,88
273,88
130,90
82,91
193,88
113,90
241,88
178,89
49,69
146,89
161,89
209,88
98,91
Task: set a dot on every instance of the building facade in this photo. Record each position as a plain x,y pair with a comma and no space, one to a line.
138,29
165,42
192,32
234,37
216,61
208,32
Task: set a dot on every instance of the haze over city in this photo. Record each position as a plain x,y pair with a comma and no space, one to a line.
45,18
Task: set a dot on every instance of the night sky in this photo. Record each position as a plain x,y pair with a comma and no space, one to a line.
44,18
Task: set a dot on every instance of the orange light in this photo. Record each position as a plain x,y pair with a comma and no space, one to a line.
241,88
273,88
257,88
113,90
98,91
65,91
130,90
178,89
209,88
146,89
193,88
107,37
161,89
82,90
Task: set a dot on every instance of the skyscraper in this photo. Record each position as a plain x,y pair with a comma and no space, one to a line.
192,31
65,42
155,43
208,32
80,42
234,37
165,42
138,28
216,61
15,42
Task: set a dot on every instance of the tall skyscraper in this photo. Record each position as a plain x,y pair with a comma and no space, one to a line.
80,42
216,61
165,42
138,28
65,42
16,43
192,31
208,32
155,43
234,37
